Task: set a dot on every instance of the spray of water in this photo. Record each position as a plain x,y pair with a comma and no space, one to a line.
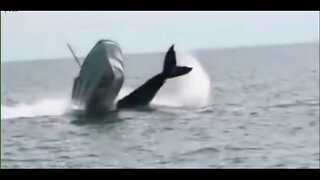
188,91
44,107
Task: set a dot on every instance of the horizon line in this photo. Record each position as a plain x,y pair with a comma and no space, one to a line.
191,50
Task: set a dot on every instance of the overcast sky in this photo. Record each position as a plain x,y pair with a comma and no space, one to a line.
42,35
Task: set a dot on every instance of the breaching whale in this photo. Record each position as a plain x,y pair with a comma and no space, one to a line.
101,78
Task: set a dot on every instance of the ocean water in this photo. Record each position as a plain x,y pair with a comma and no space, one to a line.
250,107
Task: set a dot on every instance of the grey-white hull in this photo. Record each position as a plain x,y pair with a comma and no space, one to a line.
100,78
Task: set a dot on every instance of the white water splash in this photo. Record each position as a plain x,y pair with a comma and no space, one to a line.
44,107
191,90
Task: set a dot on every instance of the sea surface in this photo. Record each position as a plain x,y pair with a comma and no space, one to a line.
246,107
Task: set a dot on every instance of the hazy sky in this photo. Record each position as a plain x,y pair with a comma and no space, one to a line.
41,35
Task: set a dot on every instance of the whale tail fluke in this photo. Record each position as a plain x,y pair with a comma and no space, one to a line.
144,94
170,68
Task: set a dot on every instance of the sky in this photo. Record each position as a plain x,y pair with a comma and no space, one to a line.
44,35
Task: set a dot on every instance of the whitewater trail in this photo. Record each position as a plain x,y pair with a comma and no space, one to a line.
43,107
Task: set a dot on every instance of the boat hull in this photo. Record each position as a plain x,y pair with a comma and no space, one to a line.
100,78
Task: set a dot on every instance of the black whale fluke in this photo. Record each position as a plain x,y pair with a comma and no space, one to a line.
170,68
143,95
